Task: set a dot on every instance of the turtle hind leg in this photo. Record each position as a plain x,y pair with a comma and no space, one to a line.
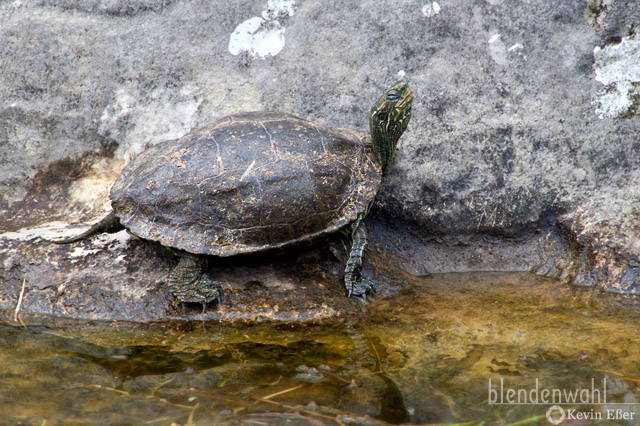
354,282
110,224
189,284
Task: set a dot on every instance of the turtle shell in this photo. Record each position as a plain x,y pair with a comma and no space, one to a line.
249,182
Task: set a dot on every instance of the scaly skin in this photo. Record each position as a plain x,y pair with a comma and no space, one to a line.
354,282
388,119
110,223
189,283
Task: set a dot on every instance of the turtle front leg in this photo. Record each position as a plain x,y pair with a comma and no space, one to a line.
190,284
354,282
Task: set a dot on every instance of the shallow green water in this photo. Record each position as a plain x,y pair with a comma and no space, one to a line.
424,356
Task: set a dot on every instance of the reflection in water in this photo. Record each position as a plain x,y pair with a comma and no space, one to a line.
392,408
423,356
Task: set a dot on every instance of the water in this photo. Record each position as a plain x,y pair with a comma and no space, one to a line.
424,356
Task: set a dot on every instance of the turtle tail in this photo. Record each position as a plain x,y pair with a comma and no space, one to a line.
109,224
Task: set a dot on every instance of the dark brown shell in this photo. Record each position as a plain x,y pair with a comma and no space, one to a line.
249,182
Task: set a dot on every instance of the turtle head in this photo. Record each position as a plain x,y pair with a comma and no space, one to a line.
388,119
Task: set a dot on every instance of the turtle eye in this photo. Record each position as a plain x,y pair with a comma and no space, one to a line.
393,96
382,116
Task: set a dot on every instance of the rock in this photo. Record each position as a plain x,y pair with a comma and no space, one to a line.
118,277
524,130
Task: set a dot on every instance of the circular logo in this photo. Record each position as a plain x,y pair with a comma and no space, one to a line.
555,415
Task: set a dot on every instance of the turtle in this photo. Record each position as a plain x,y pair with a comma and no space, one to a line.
256,181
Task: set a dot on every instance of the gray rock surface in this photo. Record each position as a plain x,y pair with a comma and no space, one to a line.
525,119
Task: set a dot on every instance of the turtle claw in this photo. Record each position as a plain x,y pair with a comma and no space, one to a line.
361,288
203,291
370,295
